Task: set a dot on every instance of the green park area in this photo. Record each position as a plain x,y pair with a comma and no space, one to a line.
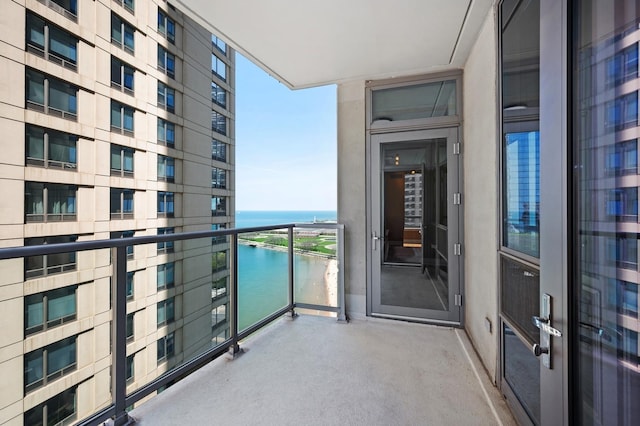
314,243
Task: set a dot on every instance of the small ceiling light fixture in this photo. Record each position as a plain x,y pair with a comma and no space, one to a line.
397,159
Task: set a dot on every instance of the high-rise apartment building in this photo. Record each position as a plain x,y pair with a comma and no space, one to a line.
109,131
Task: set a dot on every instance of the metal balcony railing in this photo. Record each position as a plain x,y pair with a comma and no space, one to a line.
284,238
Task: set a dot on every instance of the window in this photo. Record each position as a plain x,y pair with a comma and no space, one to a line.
166,347
121,118
219,315
218,95
166,62
166,247
165,204
127,4
219,261
166,168
121,203
219,287
218,122
166,311
622,204
221,239
166,97
49,202
49,309
59,410
219,44
218,206
622,251
218,67
219,150
50,148
121,161
129,368
130,326
623,66
218,178
121,75
124,234
166,133
44,365
51,96
166,26
622,113
627,296
51,42
166,276
49,264
622,158
122,34
130,281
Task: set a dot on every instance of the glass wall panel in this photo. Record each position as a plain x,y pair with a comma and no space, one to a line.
427,100
604,66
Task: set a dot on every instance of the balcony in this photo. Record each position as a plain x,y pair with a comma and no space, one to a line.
313,370
322,370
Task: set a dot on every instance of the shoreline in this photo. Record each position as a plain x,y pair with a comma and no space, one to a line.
327,280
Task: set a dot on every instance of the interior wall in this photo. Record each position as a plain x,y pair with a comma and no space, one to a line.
480,162
394,207
351,193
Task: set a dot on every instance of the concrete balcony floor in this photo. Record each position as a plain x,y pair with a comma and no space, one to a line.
315,371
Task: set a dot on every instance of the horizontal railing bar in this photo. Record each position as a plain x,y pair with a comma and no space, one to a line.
99,417
317,307
24,251
257,326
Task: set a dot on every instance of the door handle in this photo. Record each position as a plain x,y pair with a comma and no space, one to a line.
544,325
375,237
547,331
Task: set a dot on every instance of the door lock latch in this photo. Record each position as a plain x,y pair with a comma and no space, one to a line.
547,331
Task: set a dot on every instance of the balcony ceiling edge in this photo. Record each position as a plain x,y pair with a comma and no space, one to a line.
308,44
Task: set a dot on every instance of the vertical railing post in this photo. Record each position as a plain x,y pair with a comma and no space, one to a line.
342,314
233,296
292,302
119,334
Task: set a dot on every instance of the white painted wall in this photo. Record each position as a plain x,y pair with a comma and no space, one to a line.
480,162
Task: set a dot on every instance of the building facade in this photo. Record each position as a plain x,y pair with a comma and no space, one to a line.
122,122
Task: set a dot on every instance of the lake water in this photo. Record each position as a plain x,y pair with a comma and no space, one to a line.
263,273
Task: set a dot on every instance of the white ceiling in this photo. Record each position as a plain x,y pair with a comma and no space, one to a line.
305,43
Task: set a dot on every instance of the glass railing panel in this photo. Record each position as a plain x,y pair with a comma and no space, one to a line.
263,275
316,268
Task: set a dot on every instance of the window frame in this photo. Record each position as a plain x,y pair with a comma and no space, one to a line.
46,215
166,200
164,271
49,135
219,122
123,152
166,163
167,127
124,112
123,67
44,50
57,268
47,83
165,94
121,213
44,353
166,62
165,23
125,28
44,298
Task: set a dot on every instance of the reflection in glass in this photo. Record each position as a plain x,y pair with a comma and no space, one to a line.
522,372
521,191
605,202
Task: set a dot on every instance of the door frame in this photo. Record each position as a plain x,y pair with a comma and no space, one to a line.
455,227
555,250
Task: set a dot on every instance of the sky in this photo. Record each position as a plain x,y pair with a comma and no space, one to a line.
285,143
